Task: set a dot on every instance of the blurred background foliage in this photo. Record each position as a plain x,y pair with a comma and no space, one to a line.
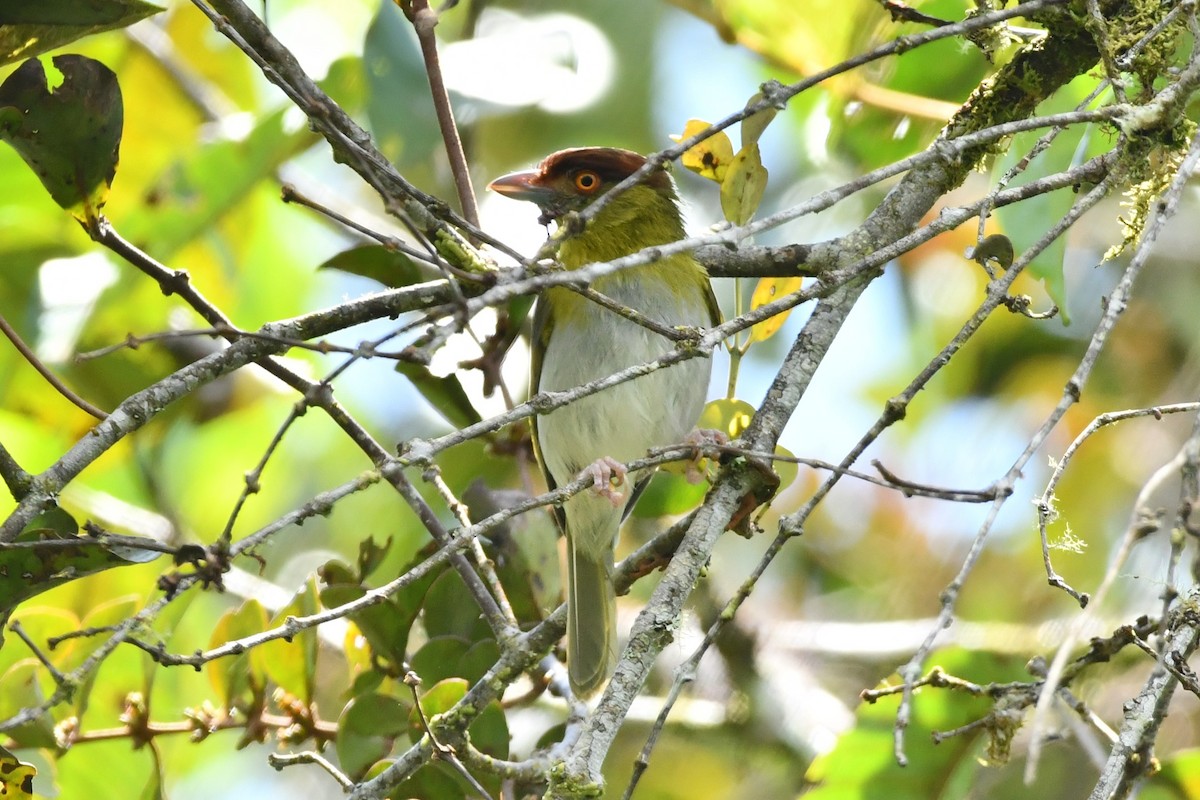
207,144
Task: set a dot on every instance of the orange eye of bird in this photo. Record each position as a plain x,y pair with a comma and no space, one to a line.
587,181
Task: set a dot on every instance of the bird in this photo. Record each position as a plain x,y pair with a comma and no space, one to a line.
576,340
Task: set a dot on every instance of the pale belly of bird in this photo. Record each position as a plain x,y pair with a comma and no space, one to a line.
625,420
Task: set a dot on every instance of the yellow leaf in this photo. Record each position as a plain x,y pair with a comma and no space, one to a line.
743,185
730,417
786,470
754,125
709,159
16,777
769,289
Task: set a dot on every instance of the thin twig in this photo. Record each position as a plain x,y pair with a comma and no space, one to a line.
315,394
16,627
685,673
1099,30
1116,305
363,350
1125,60
418,451
902,12
290,194
949,595
281,760
1040,146
27,352
1045,504
424,21
487,570
324,731
441,751
432,218
1130,757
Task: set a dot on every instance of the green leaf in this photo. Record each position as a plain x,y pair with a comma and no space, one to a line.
367,730
996,248
32,27
478,660
786,470
67,128
335,571
669,493
231,677
399,106
55,520
28,571
389,267
1179,778
164,626
449,609
445,394
489,731
21,688
385,626
293,665
743,186
524,550
153,790
731,417
371,555
103,615
430,783
1026,222
42,623
439,699
210,181
438,659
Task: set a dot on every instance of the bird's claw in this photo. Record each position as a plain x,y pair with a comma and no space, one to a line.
607,474
702,439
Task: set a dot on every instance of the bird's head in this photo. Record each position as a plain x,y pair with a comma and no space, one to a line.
570,180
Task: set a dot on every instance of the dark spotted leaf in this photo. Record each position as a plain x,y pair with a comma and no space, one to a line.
66,124
28,28
16,777
63,557
709,159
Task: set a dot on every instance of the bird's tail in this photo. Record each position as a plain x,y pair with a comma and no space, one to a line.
591,619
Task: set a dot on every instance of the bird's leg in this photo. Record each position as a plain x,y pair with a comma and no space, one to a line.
603,471
701,439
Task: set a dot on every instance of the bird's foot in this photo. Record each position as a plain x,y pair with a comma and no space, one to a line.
607,474
702,439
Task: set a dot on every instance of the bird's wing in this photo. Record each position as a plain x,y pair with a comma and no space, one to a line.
543,323
710,302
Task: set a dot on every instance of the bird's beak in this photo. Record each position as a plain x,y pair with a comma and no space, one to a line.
523,186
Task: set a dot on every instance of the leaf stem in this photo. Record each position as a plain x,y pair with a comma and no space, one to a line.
735,348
